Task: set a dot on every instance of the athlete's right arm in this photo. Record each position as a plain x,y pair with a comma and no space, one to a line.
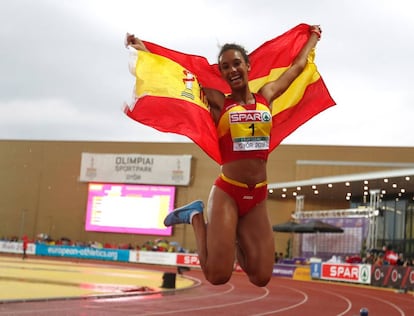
215,99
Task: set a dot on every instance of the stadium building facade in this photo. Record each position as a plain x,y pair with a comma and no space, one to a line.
368,191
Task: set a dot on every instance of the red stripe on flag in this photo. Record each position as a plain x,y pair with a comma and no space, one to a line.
315,100
180,117
278,52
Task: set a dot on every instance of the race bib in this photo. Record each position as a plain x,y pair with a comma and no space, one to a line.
250,129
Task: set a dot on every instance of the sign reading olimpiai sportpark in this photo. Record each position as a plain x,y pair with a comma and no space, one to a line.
136,168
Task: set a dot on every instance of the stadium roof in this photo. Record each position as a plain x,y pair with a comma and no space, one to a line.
392,184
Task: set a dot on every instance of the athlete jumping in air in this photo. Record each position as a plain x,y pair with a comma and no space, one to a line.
238,225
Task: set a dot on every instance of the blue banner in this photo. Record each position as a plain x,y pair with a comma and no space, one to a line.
315,268
83,252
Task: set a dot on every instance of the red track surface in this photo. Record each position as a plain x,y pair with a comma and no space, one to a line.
238,297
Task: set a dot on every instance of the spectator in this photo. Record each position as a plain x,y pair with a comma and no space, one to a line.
400,260
380,260
25,240
353,259
391,257
369,258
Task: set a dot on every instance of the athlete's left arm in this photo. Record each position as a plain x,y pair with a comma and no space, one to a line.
273,89
135,42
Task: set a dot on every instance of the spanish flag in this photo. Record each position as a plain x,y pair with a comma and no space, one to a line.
170,97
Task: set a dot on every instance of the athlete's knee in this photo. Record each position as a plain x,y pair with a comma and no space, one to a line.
218,276
259,280
260,277
217,279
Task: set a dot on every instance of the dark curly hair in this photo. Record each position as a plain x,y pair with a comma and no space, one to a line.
236,47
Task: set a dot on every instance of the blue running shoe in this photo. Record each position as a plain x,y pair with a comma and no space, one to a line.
182,215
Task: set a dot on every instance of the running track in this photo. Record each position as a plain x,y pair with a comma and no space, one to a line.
281,297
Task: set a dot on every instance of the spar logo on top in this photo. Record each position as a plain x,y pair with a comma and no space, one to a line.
356,273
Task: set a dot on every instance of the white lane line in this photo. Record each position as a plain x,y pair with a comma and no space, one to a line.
215,306
381,300
279,310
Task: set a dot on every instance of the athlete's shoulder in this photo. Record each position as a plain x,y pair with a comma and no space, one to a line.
261,99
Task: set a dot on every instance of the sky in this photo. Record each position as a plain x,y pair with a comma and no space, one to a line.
64,68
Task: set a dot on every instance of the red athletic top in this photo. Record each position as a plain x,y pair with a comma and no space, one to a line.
244,130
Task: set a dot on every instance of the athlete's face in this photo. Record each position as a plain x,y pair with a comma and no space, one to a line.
234,68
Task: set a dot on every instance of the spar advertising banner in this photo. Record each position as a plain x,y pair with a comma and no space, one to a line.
355,273
188,259
135,168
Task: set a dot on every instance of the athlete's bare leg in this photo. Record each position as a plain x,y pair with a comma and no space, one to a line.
216,240
255,245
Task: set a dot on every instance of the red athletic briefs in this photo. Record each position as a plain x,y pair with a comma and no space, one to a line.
246,197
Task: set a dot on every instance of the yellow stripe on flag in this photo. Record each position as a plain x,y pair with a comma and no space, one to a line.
159,76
